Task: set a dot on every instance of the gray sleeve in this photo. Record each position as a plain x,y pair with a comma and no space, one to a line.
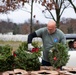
63,38
39,32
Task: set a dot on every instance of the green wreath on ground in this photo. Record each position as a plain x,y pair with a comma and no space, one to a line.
20,58
58,55
27,60
6,58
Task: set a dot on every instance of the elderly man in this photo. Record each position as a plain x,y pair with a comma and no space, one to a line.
50,35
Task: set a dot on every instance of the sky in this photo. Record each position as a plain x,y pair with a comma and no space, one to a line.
21,15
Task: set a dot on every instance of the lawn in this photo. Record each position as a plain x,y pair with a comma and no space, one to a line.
13,44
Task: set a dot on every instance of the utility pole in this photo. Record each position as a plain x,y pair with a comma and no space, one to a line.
31,16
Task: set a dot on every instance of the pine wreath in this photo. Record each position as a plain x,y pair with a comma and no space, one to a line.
58,55
27,60
6,58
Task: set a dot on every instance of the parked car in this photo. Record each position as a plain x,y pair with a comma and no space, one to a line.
70,36
71,62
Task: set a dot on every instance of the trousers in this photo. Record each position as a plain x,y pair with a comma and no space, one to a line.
45,63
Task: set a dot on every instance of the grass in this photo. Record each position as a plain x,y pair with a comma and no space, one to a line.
13,44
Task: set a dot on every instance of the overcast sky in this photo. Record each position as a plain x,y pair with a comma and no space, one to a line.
20,16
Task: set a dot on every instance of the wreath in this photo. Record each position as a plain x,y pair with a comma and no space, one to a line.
6,58
58,55
27,60
21,58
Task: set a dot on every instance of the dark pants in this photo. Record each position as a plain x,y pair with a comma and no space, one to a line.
45,63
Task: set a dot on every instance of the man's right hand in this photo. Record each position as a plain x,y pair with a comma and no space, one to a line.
30,47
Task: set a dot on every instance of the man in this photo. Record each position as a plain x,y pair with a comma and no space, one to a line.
50,35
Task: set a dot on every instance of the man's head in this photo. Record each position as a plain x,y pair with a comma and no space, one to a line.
51,26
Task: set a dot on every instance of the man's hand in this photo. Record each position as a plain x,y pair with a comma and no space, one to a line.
30,47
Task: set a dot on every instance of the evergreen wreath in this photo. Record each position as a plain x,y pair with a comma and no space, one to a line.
58,55
27,60
6,58
20,58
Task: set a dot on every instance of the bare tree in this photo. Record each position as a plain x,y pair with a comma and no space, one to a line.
58,6
6,5
72,3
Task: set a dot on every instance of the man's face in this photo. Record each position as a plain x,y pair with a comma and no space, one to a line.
51,29
51,26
